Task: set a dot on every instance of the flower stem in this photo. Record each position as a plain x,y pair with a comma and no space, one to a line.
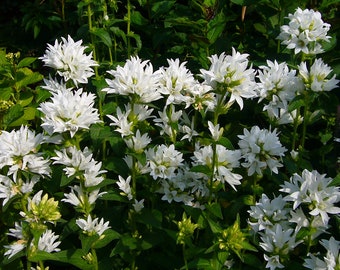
128,30
89,17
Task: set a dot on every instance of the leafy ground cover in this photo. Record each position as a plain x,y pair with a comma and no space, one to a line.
145,134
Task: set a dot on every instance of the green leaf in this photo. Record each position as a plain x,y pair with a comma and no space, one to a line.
119,33
14,113
25,98
161,7
151,217
25,77
72,256
138,19
108,236
215,209
103,35
296,103
336,181
216,27
87,241
26,62
226,143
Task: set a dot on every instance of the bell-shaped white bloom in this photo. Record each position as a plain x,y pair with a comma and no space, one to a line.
124,186
314,190
10,188
330,261
138,205
48,242
163,161
266,213
225,161
305,32
70,61
80,198
216,131
69,112
14,248
80,162
261,149
315,78
175,82
18,150
93,226
138,142
135,79
229,74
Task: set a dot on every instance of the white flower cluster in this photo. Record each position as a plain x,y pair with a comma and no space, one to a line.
261,149
305,32
308,204
69,60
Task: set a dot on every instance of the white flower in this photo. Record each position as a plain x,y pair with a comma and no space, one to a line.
124,185
267,213
135,79
167,120
9,188
14,248
68,58
273,262
225,161
18,150
187,127
92,227
278,86
332,259
229,74
77,161
203,98
277,242
54,86
163,161
124,126
261,148
175,82
216,131
68,111
81,198
305,32
316,78
47,242
314,190
138,205
138,142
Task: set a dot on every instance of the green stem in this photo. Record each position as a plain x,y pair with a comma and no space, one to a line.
296,124
128,30
185,257
89,16
95,259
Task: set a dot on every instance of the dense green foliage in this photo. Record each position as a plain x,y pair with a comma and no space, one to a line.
164,235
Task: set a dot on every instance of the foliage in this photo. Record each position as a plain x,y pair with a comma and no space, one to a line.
100,194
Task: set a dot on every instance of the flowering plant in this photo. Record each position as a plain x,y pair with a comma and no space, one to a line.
142,166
